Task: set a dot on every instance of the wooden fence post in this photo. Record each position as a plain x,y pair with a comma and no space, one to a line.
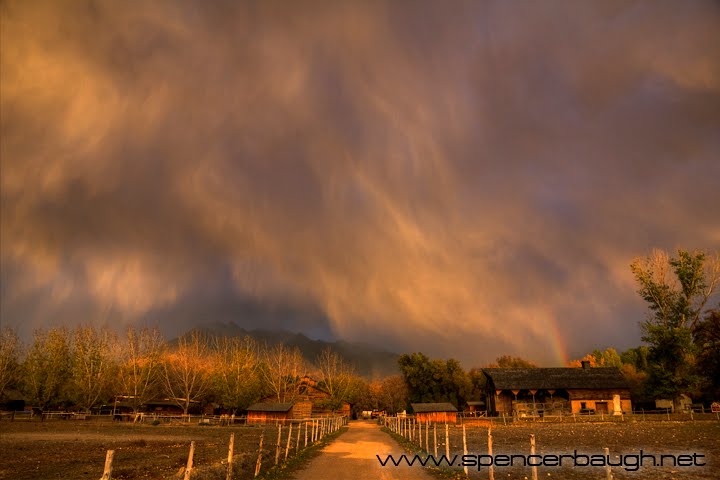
188,468
427,431
608,472
465,449
259,460
447,442
306,427
492,463
532,452
297,443
287,447
107,472
435,438
230,457
277,446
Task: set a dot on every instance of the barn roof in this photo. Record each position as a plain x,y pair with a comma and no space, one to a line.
270,407
433,407
554,378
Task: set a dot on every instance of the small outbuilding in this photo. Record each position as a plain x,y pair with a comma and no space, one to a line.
269,412
435,412
475,408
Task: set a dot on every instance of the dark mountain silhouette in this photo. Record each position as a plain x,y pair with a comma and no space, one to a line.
367,360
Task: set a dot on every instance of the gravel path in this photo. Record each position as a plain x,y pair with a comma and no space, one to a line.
352,457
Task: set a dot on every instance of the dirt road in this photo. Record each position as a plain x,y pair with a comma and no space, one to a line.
352,457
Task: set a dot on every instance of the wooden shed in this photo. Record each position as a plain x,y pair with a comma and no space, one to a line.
475,408
435,412
554,391
269,412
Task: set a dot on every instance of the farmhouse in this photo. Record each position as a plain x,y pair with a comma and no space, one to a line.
435,412
528,392
269,412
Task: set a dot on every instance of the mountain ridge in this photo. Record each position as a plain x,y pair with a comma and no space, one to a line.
367,360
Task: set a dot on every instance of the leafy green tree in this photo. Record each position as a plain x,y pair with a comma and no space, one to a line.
600,358
434,380
676,290
508,361
707,341
637,357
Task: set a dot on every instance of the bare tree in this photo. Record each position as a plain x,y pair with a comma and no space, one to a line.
336,376
10,349
282,367
236,371
187,370
94,363
141,368
394,394
46,370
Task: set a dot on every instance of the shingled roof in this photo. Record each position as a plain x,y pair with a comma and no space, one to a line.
433,407
554,378
270,407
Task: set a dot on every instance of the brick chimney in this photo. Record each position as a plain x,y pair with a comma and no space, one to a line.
585,364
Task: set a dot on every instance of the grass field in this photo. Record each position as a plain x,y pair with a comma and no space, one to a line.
76,449
627,438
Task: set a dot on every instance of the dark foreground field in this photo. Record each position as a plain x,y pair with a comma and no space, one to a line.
76,449
626,438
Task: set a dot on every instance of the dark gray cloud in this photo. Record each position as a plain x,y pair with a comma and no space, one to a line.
468,178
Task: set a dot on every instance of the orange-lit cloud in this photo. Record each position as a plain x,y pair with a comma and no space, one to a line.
466,179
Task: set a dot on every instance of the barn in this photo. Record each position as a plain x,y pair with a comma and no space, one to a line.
308,390
435,412
535,392
269,412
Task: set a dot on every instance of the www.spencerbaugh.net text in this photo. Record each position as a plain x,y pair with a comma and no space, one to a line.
630,462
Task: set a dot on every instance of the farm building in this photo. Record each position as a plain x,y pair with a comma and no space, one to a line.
551,391
475,407
269,412
310,399
310,391
683,402
169,407
435,412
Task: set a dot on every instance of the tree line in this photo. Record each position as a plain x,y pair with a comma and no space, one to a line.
86,367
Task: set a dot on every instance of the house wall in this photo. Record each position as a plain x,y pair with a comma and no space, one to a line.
268,417
576,405
302,410
436,417
599,394
503,403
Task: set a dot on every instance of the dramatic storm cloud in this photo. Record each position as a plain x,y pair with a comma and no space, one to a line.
463,178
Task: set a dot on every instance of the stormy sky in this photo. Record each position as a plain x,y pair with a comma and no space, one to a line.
463,178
